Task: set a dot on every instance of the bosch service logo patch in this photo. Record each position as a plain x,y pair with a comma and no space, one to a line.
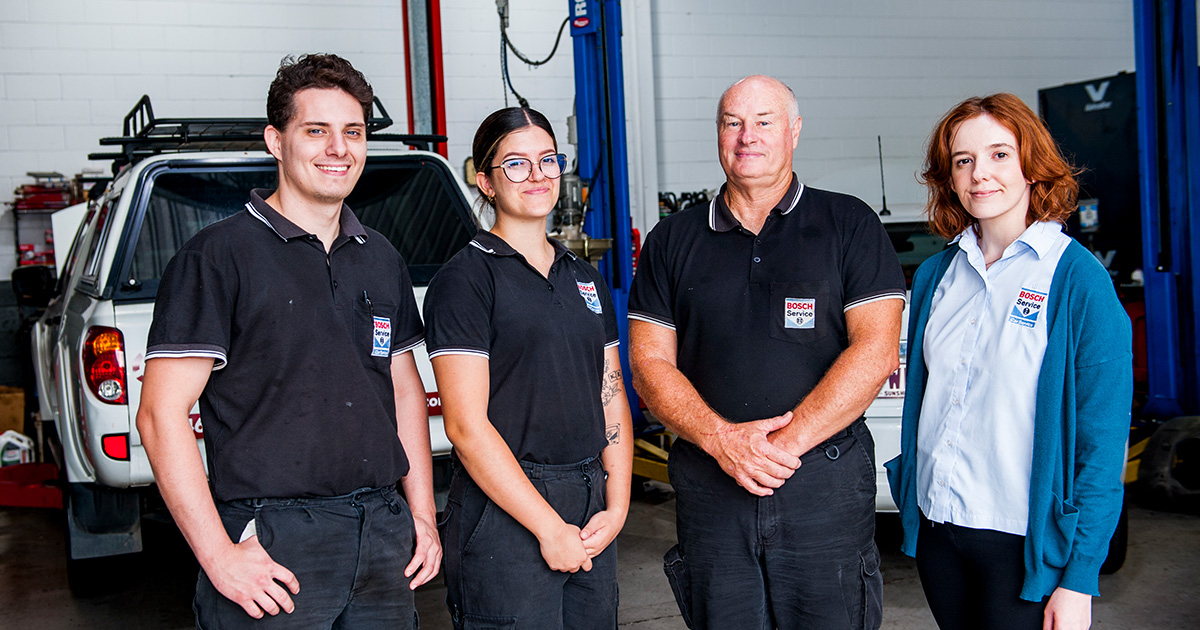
590,297
381,340
799,313
1026,308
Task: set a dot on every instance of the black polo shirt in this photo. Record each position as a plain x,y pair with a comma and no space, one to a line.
544,338
759,319
300,401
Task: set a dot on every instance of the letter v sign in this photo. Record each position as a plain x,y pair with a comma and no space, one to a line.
1095,94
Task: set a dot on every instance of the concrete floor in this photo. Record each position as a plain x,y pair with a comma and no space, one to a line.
1157,588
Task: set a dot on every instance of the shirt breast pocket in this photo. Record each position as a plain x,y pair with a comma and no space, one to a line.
798,311
372,332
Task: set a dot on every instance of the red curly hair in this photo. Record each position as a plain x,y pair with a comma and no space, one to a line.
1053,193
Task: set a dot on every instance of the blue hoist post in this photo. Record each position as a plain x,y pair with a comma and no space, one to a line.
603,162
1168,86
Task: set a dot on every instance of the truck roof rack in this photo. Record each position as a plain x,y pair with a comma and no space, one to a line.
144,135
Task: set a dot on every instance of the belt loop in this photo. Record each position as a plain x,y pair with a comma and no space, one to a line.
587,479
534,470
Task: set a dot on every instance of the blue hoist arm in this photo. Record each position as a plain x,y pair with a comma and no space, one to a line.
1168,86
603,162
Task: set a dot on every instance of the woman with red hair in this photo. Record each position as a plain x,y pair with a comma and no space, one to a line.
1019,384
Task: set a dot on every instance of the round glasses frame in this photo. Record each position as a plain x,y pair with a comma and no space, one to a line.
518,170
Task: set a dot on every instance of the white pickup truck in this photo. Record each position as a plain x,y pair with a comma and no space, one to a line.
913,245
89,346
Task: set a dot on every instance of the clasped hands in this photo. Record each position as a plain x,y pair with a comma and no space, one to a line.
753,453
568,548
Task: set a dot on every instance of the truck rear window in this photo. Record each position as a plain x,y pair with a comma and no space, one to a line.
413,202
414,205
181,203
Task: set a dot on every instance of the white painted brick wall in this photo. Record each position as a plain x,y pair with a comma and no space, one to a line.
866,68
474,87
71,69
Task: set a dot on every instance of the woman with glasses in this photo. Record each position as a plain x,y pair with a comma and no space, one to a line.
523,339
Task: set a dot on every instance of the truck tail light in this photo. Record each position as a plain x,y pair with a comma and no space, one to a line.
116,445
104,364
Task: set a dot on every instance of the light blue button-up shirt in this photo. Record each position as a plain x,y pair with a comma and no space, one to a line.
984,344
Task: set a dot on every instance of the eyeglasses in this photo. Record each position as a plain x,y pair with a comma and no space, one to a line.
518,170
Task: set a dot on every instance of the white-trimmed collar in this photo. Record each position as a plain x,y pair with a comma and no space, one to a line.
489,243
721,219
348,223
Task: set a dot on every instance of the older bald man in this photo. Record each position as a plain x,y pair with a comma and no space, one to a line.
763,325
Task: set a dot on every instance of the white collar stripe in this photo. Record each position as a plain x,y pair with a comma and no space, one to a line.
260,217
795,201
480,247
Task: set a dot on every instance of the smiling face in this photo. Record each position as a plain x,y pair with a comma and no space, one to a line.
756,132
986,174
532,198
322,150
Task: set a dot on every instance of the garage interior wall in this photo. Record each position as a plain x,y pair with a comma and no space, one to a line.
71,69
862,69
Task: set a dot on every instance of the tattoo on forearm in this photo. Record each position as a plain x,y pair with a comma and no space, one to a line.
609,383
612,432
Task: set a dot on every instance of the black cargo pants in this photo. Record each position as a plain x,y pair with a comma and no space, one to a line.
804,557
495,575
348,553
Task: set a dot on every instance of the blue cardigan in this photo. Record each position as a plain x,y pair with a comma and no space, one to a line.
1081,423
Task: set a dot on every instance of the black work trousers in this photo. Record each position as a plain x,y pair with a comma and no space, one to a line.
496,578
347,552
804,557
